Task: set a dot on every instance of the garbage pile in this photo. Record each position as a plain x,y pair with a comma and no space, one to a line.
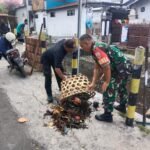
74,106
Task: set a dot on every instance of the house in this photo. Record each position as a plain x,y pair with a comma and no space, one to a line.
139,12
62,16
24,11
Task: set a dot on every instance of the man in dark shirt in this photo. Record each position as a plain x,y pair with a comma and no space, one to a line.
53,57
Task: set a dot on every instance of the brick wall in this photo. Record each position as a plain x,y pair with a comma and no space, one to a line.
31,44
138,35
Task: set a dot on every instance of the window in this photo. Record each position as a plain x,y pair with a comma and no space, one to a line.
142,9
52,14
71,12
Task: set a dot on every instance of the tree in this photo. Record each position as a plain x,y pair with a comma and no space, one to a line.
3,8
8,6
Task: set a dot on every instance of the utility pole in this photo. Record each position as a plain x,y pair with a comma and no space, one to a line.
79,17
76,55
27,12
79,28
121,3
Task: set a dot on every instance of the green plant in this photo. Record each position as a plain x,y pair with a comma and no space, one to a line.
3,8
144,129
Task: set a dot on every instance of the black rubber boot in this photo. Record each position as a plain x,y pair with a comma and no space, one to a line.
121,108
50,100
107,117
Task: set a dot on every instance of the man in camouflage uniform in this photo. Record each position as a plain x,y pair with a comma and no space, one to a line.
111,62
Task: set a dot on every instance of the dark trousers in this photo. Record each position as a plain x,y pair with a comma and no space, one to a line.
3,55
48,79
20,37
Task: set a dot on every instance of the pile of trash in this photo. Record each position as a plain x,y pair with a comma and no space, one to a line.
73,107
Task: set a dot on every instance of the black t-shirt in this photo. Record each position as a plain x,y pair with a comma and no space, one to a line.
55,55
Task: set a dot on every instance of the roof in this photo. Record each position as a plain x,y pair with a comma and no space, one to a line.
19,7
64,6
119,13
131,2
6,15
102,4
91,4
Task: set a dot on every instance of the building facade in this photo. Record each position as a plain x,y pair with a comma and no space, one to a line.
140,12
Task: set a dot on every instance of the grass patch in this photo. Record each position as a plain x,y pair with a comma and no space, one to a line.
144,129
122,115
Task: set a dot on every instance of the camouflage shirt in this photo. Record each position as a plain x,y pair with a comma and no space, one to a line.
112,53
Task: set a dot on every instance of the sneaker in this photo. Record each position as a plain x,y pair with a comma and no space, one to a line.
107,117
121,108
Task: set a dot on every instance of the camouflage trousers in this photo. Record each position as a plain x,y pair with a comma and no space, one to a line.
116,88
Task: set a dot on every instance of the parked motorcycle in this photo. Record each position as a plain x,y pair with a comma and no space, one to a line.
15,61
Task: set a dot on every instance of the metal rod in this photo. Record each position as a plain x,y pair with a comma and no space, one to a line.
145,84
27,12
79,29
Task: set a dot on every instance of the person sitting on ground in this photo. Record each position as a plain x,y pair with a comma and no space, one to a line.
53,57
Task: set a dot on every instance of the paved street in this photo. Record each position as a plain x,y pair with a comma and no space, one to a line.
13,135
27,98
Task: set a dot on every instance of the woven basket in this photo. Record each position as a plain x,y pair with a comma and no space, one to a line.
74,85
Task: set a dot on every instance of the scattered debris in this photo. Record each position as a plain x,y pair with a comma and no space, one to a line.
144,129
49,124
23,120
74,106
70,113
96,105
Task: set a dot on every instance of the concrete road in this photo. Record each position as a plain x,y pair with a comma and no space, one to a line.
28,98
13,135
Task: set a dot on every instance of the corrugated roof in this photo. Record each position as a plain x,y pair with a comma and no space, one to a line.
65,6
102,4
91,4
131,2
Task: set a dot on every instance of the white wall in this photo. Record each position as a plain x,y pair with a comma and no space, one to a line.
61,24
97,16
21,15
39,21
143,17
